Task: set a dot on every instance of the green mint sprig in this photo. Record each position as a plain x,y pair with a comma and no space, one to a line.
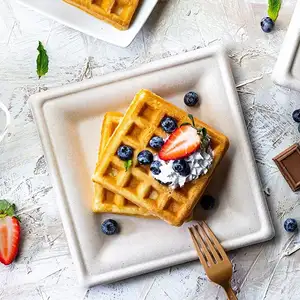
127,164
42,61
274,8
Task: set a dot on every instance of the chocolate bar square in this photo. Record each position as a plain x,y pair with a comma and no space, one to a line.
288,163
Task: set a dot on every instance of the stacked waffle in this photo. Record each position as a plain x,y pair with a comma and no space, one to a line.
135,191
118,13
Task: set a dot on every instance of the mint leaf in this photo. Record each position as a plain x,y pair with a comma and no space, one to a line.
7,209
127,164
42,61
274,8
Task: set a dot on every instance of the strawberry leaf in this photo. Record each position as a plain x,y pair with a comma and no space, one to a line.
192,119
273,9
7,209
127,164
202,131
18,218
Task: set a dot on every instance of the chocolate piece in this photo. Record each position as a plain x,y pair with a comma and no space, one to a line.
288,163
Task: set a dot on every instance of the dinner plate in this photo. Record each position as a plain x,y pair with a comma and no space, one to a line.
287,68
81,21
69,121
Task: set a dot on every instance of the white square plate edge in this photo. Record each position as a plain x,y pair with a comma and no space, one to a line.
37,101
122,38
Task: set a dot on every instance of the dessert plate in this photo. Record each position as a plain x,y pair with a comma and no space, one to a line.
69,121
81,21
287,68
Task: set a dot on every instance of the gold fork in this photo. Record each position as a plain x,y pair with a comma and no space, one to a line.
213,257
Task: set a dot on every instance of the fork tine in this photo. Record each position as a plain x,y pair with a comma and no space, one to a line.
202,246
213,238
210,245
198,249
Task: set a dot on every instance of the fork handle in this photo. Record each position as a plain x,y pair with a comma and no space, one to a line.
230,293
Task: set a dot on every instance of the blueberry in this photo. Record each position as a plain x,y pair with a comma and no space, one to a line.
155,167
156,142
125,152
296,115
168,124
145,157
181,167
110,227
207,202
191,99
290,225
267,24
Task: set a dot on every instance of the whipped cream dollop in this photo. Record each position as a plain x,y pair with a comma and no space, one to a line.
200,161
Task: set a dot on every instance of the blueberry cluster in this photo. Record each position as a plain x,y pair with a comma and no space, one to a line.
145,157
180,166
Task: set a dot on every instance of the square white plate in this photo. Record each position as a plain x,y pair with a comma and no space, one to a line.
81,21
69,121
287,68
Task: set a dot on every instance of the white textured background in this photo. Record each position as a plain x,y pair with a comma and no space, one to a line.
44,269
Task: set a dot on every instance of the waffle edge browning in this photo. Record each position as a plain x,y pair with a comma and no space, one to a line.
118,13
140,123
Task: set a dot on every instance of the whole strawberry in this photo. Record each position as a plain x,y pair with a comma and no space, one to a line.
9,232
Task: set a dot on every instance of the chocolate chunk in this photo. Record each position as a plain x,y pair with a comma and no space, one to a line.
288,163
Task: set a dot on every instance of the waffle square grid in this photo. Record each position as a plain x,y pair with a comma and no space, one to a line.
105,201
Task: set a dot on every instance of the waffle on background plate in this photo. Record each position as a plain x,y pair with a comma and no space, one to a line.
118,13
104,200
140,123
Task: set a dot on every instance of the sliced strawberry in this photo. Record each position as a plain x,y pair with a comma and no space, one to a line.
181,143
9,239
9,233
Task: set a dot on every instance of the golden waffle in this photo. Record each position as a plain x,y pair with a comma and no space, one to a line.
140,123
105,201
116,12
